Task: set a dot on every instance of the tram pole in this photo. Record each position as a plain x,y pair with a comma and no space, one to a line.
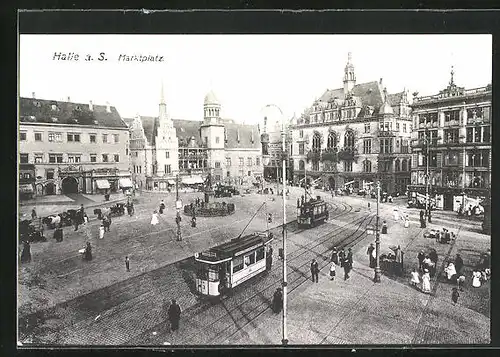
376,279
285,288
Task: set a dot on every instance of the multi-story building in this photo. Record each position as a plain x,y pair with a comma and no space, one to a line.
452,140
192,149
355,135
76,148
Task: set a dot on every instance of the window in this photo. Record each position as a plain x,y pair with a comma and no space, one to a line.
168,169
217,164
22,136
104,138
385,166
259,254
479,158
23,158
451,136
116,138
55,158
257,161
478,134
397,126
404,165
49,174
316,142
301,165
117,158
367,146
249,173
301,133
367,128
241,161
452,115
38,136
92,138
73,137
228,174
249,161
55,137
386,146
74,158
397,166
167,155
38,158
404,127
104,157
301,148
93,157
367,166
450,158
404,147
237,264
249,259
216,139
349,139
315,165
348,166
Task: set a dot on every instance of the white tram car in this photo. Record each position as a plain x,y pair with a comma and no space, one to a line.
230,264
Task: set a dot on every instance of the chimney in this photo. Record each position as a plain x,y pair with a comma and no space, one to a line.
108,107
69,99
91,107
33,95
380,80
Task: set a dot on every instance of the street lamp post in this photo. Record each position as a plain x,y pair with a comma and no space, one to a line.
427,175
376,279
284,339
178,215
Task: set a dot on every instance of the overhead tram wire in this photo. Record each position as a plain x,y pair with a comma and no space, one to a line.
251,219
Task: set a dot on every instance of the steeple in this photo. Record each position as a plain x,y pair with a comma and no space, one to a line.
162,114
349,75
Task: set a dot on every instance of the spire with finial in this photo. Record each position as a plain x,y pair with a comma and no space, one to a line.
162,95
349,57
452,83
349,75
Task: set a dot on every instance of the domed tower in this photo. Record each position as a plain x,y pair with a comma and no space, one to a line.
212,135
349,75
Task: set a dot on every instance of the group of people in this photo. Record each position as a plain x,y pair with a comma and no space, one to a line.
469,211
423,224
341,259
427,261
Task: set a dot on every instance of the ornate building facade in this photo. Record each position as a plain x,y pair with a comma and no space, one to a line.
74,147
452,139
354,136
162,148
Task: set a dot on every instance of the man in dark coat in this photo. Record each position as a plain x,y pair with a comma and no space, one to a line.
33,214
277,304
58,234
422,219
347,268
459,264
314,270
193,221
26,254
420,257
87,255
342,258
174,315
349,258
335,256
369,251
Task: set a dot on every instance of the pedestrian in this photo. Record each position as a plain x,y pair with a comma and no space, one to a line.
349,258
450,271
461,282
426,282
415,278
108,216
127,263
76,222
342,257
314,270
129,209
26,254
58,233
33,214
407,222
335,256
269,258
429,216
193,221
396,214
269,218
332,271
154,219
476,279
454,295
174,315
420,257
87,254
369,208
162,206
384,227
399,261
277,303
434,258
347,268
101,231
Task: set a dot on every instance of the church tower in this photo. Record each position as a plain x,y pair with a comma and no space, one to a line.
213,136
167,145
349,75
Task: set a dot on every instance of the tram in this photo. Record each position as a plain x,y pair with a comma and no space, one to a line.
312,212
230,264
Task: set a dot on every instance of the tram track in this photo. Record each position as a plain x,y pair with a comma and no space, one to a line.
296,278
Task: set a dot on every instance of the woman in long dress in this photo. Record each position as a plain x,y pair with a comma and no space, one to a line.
415,278
426,282
332,271
154,219
450,271
476,279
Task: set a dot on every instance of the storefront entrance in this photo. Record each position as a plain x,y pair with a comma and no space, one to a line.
69,185
448,202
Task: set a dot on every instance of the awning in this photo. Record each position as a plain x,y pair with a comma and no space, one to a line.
192,180
102,184
26,188
171,182
126,183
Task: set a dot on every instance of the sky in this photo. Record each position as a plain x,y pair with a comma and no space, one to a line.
246,72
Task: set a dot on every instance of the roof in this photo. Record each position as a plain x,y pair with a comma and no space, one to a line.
369,93
128,121
236,245
41,111
241,135
211,98
187,129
